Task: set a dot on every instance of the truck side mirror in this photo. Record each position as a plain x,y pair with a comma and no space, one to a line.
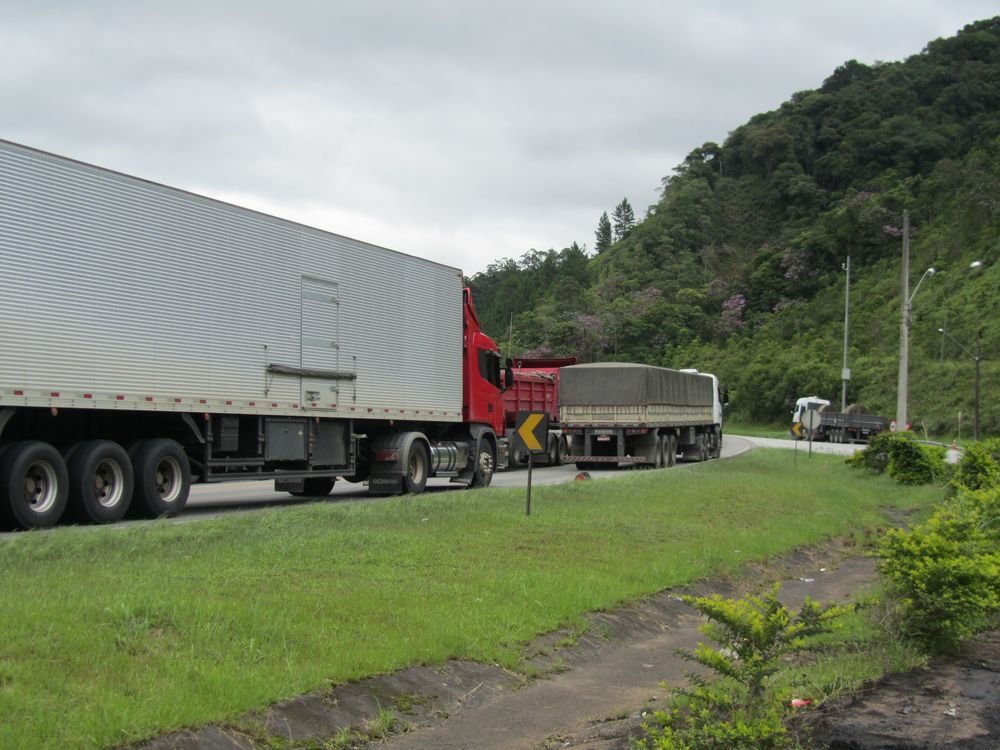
508,374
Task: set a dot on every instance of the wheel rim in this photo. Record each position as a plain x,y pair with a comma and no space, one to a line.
109,483
169,479
41,487
485,463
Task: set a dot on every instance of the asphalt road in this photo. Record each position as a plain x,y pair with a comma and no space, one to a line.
214,500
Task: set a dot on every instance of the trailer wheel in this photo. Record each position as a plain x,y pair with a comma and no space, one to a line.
658,457
417,468
162,478
482,473
315,487
101,481
671,450
34,484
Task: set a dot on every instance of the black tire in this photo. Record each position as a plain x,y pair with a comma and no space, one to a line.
100,481
661,452
553,457
34,485
315,487
162,478
417,468
486,462
671,449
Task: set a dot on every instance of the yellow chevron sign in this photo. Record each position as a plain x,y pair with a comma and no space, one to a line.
532,429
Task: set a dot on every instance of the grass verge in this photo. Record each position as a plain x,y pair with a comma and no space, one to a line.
114,634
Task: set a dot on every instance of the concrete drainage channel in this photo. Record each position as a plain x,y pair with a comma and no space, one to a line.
597,686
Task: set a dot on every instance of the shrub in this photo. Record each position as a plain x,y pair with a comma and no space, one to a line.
947,571
903,458
739,710
979,467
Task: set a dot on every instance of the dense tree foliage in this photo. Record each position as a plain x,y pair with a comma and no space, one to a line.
737,269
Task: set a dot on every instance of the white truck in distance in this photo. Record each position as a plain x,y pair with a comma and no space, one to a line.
854,424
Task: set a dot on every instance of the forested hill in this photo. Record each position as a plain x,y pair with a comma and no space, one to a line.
738,268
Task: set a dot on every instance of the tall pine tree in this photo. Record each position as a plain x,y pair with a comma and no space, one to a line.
603,233
624,219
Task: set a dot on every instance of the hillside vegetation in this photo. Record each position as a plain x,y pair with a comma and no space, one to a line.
738,268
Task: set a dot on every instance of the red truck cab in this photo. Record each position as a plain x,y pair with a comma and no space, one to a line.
483,375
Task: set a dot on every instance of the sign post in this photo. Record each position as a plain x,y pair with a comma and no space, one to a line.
531,434
811,421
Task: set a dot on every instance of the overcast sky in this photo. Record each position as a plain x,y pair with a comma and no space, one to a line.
463,132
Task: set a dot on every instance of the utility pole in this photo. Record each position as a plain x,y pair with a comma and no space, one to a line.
846,373
904,330
979,357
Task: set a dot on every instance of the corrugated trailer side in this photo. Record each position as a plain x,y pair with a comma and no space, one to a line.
118,291
151,337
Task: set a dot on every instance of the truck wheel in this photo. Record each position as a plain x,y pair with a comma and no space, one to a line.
101,481
417,467
670,448
661,457
553,451
162,478
482,473
34,484
315,487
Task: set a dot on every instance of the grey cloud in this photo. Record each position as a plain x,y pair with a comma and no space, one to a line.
461,131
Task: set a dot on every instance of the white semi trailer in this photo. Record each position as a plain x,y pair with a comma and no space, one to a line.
621,413
151,337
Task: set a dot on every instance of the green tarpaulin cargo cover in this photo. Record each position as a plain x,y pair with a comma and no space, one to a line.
624,384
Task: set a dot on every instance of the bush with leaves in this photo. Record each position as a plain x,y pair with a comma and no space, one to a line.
903,458
979,467
946,572
738,710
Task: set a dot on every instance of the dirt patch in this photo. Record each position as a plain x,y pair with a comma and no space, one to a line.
953,703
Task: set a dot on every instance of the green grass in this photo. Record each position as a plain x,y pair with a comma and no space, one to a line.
113,634
753,429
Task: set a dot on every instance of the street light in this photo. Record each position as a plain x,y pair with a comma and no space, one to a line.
977,357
